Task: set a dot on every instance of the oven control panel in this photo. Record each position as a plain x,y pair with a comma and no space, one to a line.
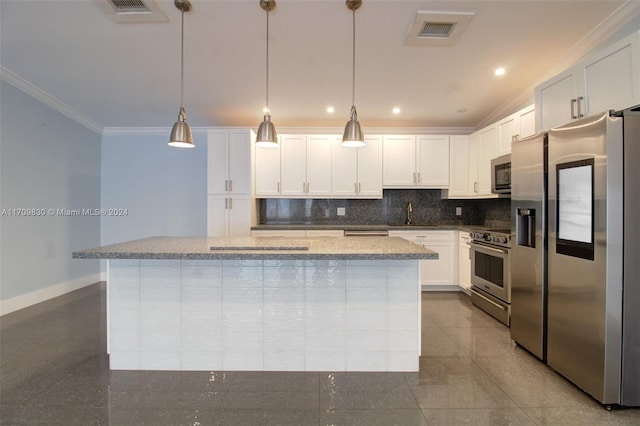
499,238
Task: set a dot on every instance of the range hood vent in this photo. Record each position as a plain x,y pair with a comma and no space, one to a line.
132,11
437,28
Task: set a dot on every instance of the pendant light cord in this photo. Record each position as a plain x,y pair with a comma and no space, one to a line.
267,62
353,77
182,64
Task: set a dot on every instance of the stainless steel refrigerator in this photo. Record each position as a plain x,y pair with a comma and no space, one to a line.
592,298
529,243
594,275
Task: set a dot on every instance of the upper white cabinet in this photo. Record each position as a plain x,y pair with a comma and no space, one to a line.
267,171
305,167
357,172
415,161
488,149
604,80
228,161
471,164
518,125
459,181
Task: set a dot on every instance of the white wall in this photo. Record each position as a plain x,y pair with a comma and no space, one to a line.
163,188
47,161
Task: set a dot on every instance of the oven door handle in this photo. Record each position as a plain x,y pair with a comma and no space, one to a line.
488,300
485,247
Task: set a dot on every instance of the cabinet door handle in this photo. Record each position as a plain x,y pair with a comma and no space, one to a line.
230,203
231,186
573,108
359,187
226,203
278,187
419,178
579,102
475,187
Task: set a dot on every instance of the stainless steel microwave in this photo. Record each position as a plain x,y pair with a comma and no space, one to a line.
501,174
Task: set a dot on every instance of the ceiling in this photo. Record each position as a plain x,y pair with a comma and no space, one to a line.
128,75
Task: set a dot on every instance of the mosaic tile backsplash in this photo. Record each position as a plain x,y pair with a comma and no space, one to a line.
428,209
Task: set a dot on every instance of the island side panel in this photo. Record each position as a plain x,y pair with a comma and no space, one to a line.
313,315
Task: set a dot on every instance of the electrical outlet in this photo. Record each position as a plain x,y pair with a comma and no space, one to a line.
458,211
341,211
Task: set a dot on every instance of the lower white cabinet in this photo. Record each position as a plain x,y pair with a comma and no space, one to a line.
464,261
263,233
441,274
228,217
298,233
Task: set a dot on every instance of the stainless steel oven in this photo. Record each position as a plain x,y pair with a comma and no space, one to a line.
491,273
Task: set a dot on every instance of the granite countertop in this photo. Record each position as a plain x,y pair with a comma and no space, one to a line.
265,248
391,227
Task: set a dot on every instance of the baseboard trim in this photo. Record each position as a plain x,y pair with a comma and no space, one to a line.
29,299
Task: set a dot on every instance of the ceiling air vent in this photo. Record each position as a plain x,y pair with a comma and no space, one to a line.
132,11
437,28
130,6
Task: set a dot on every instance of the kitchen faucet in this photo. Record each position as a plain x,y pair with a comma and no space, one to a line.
409,213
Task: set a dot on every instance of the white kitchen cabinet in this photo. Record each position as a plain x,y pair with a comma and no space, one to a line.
482,146
335,233
267,171
357,172
527,118
305,166
459,180
515,126
228,216
464,261
441,274
415,161
488,149
228,183
298,233
283,233
604,80
228,161
398,161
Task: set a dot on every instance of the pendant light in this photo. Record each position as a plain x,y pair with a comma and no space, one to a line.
267,131
352,136
181,136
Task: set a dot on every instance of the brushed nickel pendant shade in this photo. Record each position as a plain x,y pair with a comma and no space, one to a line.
267,135
352,136
181,136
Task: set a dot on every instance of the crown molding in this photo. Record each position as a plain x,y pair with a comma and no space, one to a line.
51,101
156,131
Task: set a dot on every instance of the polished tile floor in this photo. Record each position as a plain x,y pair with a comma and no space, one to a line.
54,371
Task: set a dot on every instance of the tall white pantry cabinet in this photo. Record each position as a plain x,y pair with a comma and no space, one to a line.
229,183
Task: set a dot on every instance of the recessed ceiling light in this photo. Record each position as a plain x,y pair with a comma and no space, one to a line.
331,110
396,110
499,71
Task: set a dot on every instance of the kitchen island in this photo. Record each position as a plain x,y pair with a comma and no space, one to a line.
304,304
